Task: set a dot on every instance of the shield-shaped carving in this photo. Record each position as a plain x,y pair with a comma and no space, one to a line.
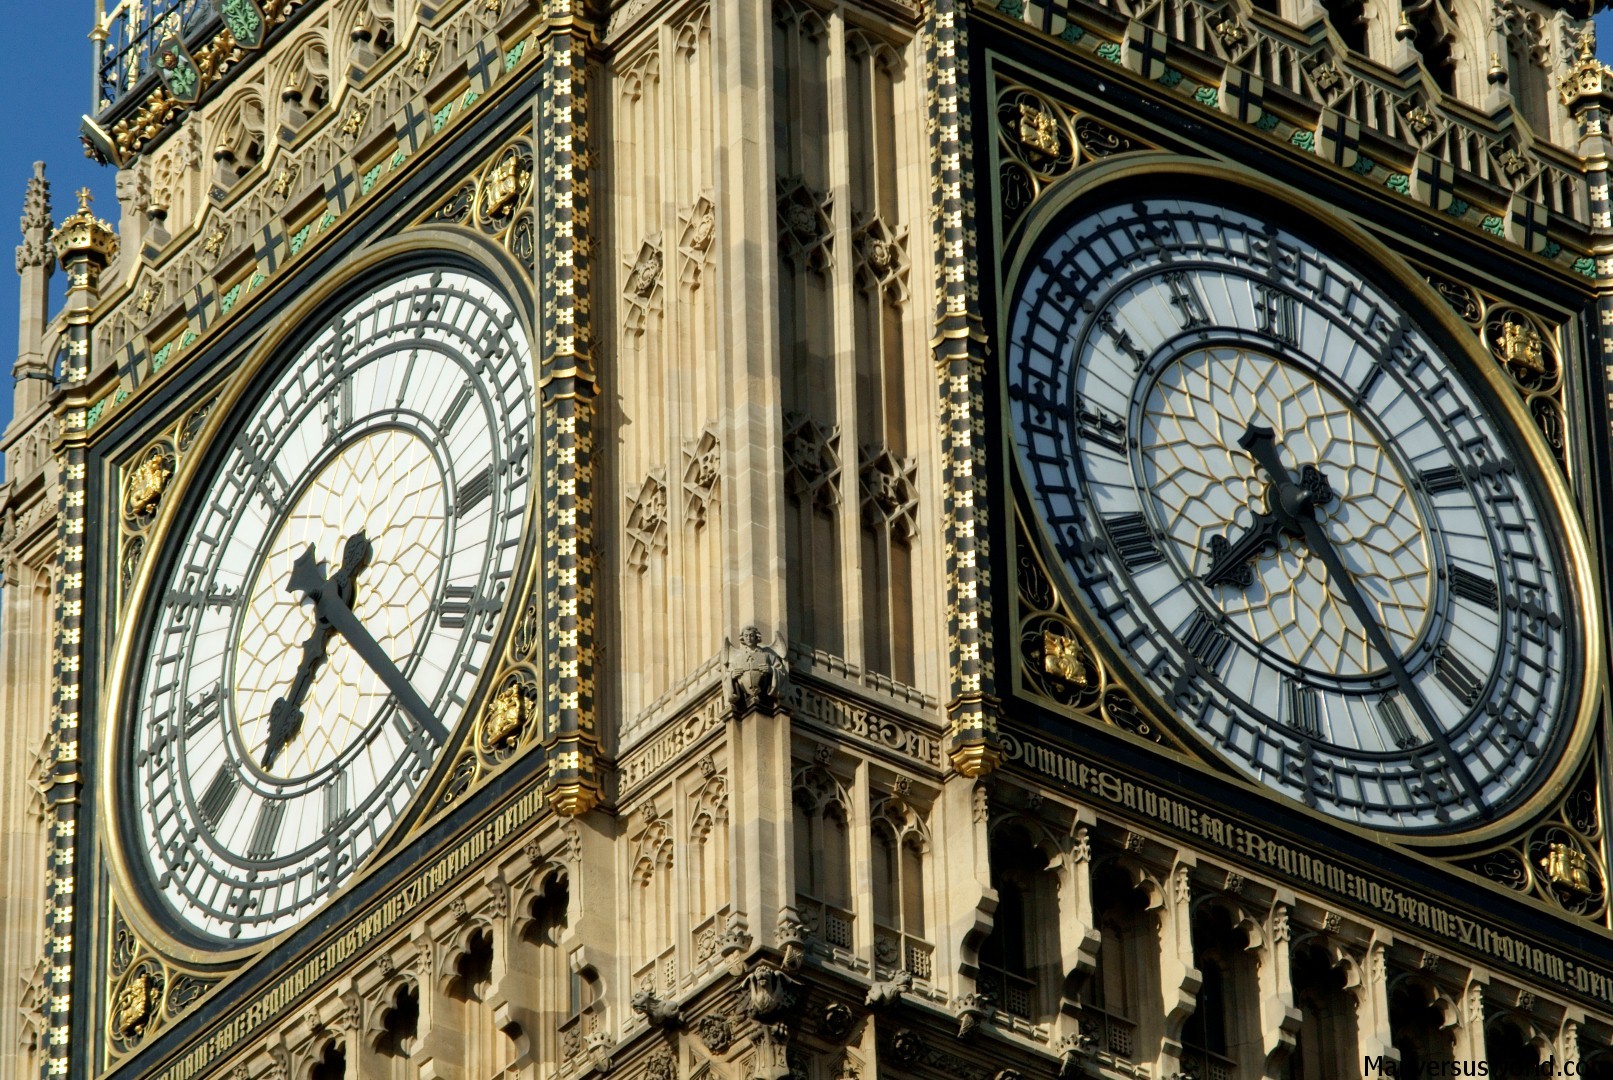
177,70
1338,138
244,19
1243,95
1527,222
1145,50
1433,181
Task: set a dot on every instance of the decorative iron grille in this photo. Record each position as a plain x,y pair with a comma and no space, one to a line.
129,34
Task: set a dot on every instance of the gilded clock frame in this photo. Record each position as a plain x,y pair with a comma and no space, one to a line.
1090,183
476,254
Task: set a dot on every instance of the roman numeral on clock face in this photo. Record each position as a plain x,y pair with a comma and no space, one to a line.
1444,478
215,801
456,605
202,710
1470,586
1277,313
1205,640
1095,425
455,408
1190,307
473,491
336,802
1457,676
339,408
1304,709
1133,541
1393,719
266,833
1122,339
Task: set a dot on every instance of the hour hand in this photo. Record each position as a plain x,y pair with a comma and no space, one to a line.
285,720
1230,560
332,608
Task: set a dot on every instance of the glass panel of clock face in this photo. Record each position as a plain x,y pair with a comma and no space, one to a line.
1298,523
392,456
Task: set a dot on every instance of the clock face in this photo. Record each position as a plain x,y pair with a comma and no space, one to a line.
331,603
1296,521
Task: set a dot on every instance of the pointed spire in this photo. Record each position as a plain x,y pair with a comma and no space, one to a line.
36,260
36,224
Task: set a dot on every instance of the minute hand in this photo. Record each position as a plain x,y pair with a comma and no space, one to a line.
1262,446
307,578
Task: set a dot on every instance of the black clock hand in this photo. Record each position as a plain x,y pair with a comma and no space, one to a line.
285,715
1296,503
1229,562
333,609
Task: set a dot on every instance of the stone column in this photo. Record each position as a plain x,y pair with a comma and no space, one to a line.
1279,1018
1179,978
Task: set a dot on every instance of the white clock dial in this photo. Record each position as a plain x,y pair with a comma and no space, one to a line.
386,471
1294,519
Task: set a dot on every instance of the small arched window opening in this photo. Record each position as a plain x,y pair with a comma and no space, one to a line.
1325,1046
332,1063
1123,995
1422,1026
487,1049
548,971
1510,1049
400,1023
1220,1038
1019,960
900,846
823,860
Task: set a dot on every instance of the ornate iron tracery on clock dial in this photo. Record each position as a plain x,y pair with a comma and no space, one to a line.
1369,607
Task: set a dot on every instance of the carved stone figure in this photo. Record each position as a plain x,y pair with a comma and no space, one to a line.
756,676
657,1012
770,991
882,995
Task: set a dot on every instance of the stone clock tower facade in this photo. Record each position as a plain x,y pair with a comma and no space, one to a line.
825,539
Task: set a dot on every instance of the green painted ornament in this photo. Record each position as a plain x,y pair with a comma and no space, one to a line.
178,72
244,18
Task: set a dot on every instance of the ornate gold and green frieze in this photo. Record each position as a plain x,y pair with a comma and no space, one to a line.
185,72
1302,94
188,293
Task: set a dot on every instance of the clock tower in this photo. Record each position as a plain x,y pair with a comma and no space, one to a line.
822,539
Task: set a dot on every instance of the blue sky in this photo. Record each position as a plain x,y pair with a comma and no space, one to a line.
48,78
48,75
